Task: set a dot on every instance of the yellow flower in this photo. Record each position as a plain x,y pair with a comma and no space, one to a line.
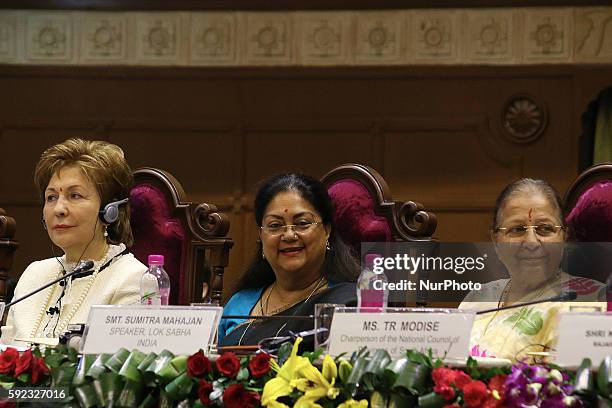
317,385
354,404
285,381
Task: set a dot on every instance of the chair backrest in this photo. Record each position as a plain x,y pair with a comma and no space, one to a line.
8,246
192,237
588,204
366,212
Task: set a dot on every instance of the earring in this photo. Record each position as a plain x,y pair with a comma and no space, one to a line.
105,231
263,256
327,246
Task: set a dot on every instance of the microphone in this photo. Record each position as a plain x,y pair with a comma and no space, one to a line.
569,296
84,267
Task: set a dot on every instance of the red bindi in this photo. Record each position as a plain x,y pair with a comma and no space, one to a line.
286,209
530,211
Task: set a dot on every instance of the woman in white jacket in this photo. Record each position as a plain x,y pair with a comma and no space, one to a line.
85,187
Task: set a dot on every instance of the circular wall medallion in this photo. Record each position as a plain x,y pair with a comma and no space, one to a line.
377,37
324,37
211,37
523,119
267,37
48,37
103,36
433,36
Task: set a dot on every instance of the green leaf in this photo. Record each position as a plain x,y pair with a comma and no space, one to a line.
393,370
373,373
584,384
353,381
344,370
115,362
413,378
378,400
86,396
63,376
180,363
604,378
82,367
98,366
284,351
129,369
180,387
527,320
400,400
149,402
431,400
243,374
131,394
110,388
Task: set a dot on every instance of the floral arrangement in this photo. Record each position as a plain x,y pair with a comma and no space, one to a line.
29,368
362,380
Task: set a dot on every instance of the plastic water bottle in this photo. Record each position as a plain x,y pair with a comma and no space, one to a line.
155,283
371,286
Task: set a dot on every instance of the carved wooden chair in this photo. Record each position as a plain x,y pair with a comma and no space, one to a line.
588,205
366,212
7,249
192,237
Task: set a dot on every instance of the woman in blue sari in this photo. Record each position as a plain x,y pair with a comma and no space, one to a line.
300,261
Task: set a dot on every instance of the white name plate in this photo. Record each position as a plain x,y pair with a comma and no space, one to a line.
445,331
584,335
179,329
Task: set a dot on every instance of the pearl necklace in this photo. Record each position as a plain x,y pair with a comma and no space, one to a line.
64,321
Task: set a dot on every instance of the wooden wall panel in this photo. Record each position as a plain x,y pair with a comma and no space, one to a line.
433,132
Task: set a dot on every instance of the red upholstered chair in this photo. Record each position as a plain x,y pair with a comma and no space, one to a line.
589,206
7,249
192,237
366,212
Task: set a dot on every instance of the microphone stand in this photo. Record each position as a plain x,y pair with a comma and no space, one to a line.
559,298
84,267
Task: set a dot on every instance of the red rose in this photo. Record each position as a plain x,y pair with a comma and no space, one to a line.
462,379
8,359
447,392
259,365
236,396
23,365
475,394
228,365
198,365
39,369
498,383
443,376
204,392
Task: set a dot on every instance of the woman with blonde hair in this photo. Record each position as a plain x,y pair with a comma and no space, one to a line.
84,186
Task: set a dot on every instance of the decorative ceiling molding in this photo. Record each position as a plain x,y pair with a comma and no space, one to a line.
496,36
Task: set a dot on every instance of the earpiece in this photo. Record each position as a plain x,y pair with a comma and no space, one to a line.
110,212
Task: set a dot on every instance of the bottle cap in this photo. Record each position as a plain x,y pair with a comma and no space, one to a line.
156,259
369,259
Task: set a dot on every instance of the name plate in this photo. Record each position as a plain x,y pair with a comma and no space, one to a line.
584,335
179,329
445,331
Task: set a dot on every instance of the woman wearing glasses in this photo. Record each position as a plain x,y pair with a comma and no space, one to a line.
300,261
529,236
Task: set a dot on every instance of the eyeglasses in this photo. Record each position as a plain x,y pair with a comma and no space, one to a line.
542,230
301,228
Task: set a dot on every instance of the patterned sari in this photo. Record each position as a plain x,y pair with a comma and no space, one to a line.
514,333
